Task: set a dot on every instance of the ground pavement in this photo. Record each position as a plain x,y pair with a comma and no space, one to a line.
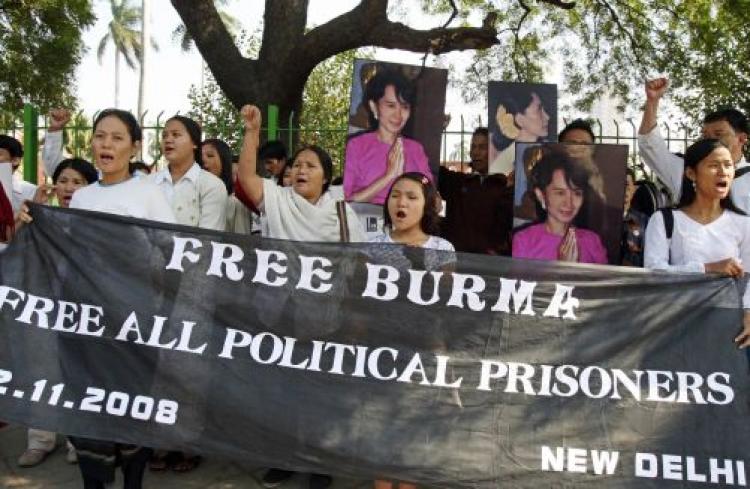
213,473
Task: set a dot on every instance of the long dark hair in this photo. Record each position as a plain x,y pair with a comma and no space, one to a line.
225,156
554,159
194,131
430,223
404,88
514,104
697,152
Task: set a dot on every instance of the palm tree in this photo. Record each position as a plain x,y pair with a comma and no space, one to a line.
123,31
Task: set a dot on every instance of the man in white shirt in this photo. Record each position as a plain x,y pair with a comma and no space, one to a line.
729,126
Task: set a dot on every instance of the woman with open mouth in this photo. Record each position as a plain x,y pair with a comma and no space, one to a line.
116,140
707,232
304,211
411,218
198,198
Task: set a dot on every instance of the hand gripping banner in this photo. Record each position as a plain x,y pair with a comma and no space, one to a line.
372,361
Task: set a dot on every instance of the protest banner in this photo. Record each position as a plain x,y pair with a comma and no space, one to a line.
372,360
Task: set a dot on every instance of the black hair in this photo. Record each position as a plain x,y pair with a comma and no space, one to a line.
577,176
131,123
11,145
80,165
696,153
287,166
515,103
580,124
272,149
225,156
139,165
430,222
734,117
194,131
405,91
481,131
325,161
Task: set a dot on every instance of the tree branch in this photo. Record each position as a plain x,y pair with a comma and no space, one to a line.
560,4
368,25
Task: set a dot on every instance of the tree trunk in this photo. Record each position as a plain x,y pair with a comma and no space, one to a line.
117,78
145,37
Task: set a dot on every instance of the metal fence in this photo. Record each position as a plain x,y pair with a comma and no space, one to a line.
31,127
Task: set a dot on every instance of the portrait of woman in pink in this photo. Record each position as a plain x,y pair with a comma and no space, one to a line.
562,192
376,157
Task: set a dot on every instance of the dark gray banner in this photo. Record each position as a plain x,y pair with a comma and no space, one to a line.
372,360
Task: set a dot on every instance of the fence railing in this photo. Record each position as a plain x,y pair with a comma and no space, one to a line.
31,128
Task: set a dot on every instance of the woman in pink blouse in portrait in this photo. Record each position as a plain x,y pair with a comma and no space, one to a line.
375,158
562,190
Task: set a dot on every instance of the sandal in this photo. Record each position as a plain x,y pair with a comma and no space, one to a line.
187,463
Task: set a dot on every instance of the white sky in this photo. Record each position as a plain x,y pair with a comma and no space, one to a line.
173,71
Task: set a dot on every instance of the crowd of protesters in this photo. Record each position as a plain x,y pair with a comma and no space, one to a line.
268,193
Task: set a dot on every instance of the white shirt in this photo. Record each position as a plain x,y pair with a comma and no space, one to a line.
52,151
438,253
22,191
693,244
670,168
135,197
198,198
290,216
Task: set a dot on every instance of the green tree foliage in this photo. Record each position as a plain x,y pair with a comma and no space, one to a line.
40,46
711,67
609,47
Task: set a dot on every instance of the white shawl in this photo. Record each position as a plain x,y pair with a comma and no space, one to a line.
290,216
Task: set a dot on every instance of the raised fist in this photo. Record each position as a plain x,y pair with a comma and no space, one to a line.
58,119
252,117
656,88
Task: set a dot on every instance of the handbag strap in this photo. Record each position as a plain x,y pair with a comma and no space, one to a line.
343,221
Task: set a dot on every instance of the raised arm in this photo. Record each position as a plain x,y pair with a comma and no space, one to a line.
52,152
247,174
655,90
652,147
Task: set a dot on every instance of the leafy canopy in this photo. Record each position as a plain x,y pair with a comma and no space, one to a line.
40,46
609,47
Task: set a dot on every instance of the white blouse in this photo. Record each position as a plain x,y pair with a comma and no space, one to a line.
693,244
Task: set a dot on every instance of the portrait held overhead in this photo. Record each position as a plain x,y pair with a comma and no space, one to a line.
395,121
519,112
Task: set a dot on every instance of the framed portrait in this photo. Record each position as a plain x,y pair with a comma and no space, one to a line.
395,126
562,186
519,112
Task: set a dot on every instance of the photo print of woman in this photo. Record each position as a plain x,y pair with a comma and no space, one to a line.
519,112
